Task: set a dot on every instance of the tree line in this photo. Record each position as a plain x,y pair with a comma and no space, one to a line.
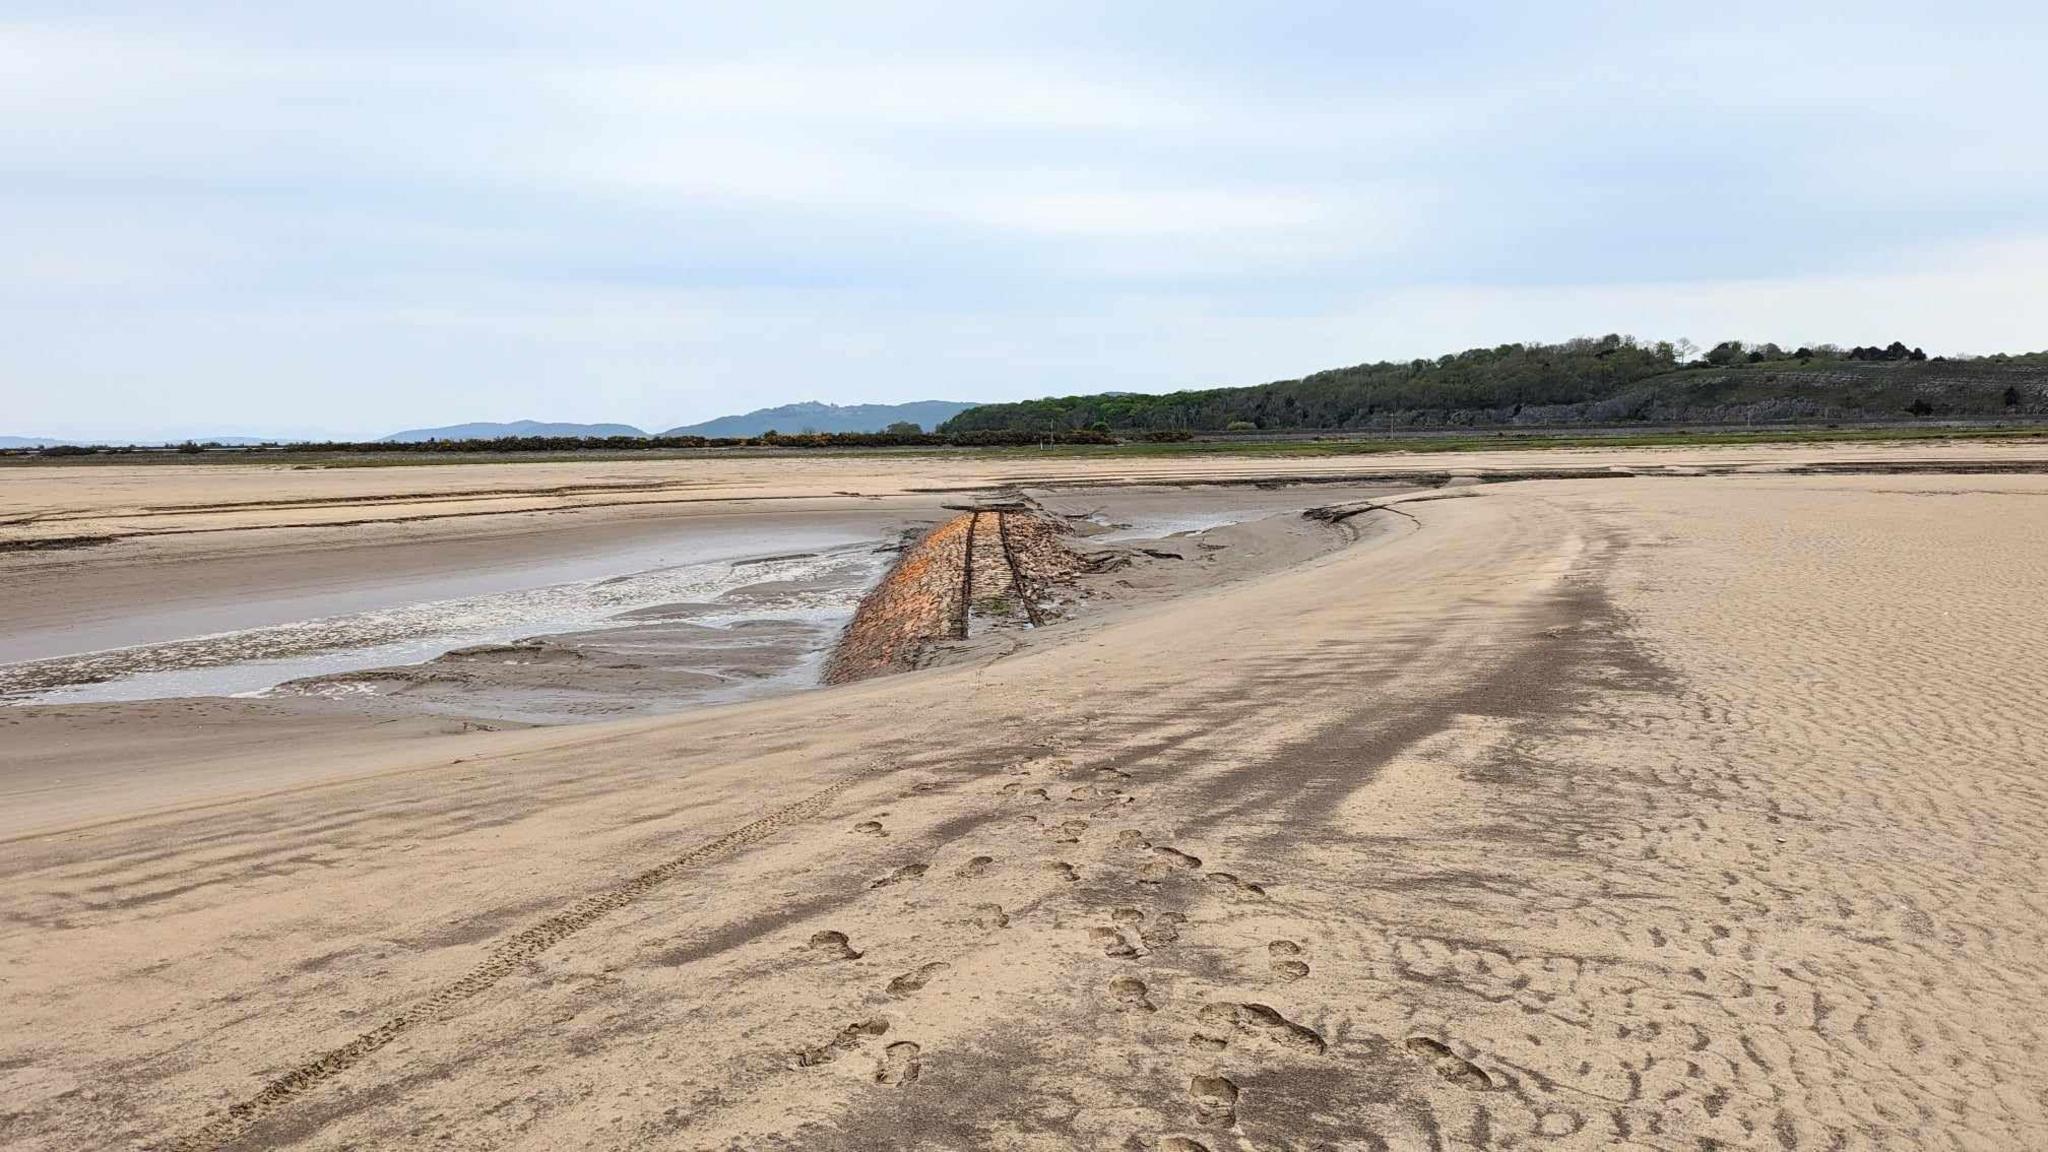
1608,379
904,436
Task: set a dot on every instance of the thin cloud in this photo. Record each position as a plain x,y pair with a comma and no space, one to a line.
412,214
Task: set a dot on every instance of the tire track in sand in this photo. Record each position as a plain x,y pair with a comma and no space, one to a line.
503,959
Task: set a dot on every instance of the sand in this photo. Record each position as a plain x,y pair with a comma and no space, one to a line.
54,504
1645,811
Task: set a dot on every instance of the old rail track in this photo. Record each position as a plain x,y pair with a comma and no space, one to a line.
997,557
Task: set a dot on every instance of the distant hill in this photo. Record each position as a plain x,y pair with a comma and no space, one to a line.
227,441
488,431
1611,380
815,417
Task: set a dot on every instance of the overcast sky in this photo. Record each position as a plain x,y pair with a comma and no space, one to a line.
350,218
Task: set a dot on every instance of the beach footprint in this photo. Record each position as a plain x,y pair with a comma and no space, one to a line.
1284,960
1265,1022
899,876
1113,943
1449,1064
833,945
1130,995
917,978
1215,1100
901,1064
1230,882
1166,862
1163,930
848,1038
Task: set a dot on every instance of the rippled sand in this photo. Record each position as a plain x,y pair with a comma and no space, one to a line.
1663,812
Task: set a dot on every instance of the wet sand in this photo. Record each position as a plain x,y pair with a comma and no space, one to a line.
74,722
1662,812
163,588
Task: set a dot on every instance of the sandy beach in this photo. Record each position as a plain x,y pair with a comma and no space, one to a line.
1669,799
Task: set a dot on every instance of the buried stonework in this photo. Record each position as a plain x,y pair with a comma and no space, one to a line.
987,563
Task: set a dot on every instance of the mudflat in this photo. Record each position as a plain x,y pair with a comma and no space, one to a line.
1654,809
48,505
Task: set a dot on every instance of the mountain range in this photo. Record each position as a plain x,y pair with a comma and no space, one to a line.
489,431
7,442
791,418
812,416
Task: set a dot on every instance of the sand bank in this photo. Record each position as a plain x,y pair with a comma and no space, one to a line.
195,505
1638,811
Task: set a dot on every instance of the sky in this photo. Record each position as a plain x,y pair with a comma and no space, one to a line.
345,219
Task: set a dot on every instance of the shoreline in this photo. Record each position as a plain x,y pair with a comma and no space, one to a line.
413,626
383,709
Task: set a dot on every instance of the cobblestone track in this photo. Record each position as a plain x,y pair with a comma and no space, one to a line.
932,591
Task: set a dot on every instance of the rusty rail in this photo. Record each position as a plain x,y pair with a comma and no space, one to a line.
1017,572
